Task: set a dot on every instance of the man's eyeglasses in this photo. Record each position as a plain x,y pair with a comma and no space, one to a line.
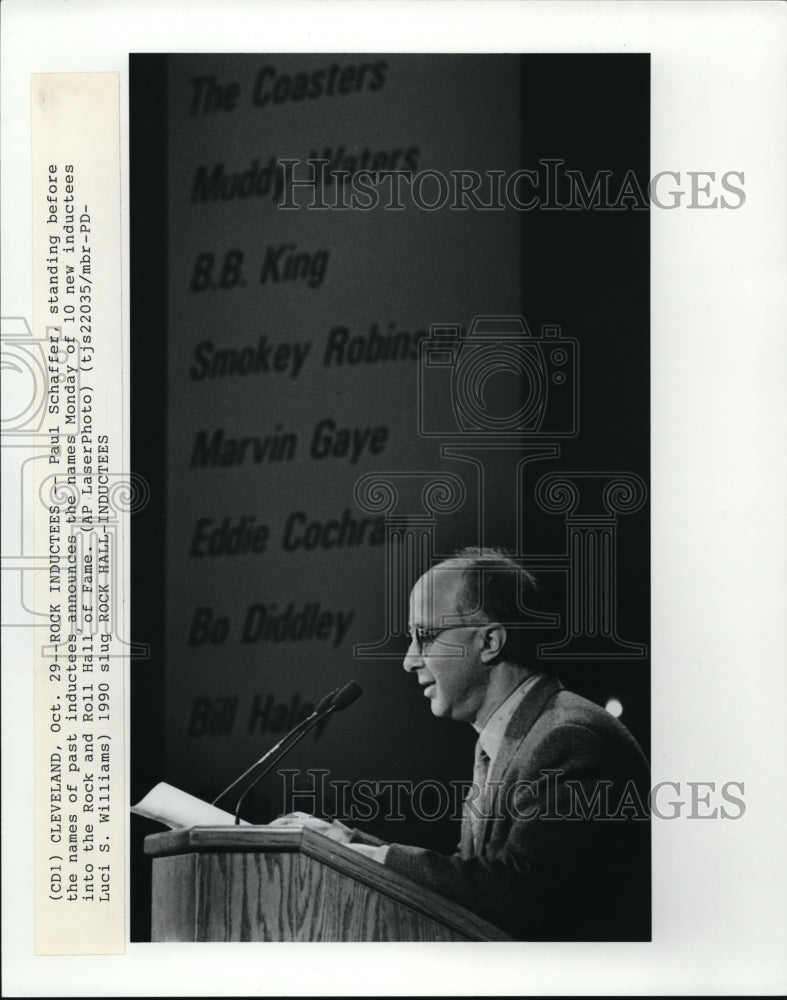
423,637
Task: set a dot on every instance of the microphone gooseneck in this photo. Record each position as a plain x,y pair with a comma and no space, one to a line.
333,702
320,709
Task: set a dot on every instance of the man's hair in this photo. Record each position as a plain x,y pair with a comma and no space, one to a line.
498,588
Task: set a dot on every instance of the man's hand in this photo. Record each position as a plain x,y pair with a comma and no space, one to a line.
332,830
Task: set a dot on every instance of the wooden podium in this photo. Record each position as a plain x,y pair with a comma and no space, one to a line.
257,883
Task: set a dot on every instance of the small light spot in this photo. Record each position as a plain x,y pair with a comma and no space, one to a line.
614,707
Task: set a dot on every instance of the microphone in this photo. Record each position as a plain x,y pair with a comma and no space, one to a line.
345,696
317,713
336,701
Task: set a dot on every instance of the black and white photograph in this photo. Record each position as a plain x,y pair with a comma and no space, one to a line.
392,455
397,432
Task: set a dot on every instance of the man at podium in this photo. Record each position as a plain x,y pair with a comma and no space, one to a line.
555,837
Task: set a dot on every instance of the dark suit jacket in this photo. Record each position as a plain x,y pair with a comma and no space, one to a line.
564,850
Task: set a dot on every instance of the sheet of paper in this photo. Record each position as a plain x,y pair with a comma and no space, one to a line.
167,804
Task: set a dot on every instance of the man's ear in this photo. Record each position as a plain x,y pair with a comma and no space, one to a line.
494,640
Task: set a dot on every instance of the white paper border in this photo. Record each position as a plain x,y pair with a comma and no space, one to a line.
719,88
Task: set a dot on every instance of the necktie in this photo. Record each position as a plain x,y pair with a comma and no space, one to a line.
478,809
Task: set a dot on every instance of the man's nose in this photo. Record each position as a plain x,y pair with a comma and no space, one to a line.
412,658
